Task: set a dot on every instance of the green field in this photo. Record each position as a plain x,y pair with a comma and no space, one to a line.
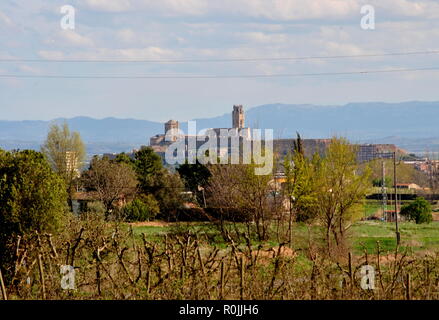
362,235
424,237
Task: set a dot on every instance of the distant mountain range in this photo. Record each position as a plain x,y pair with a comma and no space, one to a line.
413,126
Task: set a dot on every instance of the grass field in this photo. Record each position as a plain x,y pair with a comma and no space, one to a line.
363,235
424,237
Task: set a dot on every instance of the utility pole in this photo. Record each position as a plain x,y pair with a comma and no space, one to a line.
387,155
383,190
398,236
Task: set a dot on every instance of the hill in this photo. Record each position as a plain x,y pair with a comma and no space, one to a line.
411,125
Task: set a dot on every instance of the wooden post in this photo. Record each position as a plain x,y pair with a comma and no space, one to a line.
98,278
203,272
242,277
148,280
351,276
2,286
290,226
182,272
408,289
40,267
222,281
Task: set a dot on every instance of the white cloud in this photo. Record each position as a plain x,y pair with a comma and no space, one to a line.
172,7
146,53
264,38
51,54
281,10
405,8
75,39
126,35
339,48
269,9
29,69
295,9
5,19
165,7
109,5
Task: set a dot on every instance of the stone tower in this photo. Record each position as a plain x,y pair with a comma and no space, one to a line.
171,125
172,129
238,116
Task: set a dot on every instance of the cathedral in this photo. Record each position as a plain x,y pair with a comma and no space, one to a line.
160,142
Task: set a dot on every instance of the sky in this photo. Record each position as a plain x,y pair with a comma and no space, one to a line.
124,30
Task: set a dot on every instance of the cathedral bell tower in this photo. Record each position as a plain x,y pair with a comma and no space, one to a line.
238,116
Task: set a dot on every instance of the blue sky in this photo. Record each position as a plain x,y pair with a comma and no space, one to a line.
208,29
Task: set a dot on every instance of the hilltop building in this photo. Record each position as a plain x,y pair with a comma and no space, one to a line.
238,126
160,142
238,117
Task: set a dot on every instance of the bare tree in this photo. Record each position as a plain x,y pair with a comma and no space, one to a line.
238,187
112,182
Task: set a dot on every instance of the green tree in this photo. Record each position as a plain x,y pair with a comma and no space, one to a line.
299,187
32,198
65,152
342,186
148,166
154,179
298,145
379,182
142,209
195,176
168,189
124,158
419,211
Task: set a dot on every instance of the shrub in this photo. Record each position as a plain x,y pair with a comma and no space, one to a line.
190,214
95,207
142,209
210,214
418,211
229,214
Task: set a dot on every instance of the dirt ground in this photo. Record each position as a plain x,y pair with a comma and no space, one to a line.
151,224
160,223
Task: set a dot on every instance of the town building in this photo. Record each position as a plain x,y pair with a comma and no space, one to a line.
408,186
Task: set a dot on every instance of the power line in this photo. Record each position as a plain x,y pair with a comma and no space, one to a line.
219,60
285,75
